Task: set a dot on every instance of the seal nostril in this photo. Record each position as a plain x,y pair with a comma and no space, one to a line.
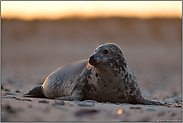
92,60
92,57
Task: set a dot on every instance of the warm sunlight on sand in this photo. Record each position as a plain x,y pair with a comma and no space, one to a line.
120,111
29,10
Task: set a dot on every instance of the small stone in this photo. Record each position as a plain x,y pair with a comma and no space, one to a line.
108,103
178,105
80,103
61,102
43,101
117,103
151,108
27,100
170,100
84,112
17,91
11,93
8,97
6,89
173,114
178,98
9,109
18,98
93,101
135,107
58,104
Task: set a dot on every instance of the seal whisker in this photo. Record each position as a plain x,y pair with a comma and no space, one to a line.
97,43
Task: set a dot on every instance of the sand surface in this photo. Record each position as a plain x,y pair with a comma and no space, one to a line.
31,50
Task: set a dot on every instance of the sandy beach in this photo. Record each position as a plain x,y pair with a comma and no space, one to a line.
31,50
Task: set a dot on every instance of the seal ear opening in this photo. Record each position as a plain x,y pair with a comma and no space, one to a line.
36,92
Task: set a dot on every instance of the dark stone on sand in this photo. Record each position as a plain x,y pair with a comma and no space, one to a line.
84,112
135,107
43,101
27,100
11,93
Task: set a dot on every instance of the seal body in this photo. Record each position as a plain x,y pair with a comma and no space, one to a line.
104,77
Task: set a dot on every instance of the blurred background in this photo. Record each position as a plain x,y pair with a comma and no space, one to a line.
39,37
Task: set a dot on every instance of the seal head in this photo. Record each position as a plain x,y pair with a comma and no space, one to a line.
108,57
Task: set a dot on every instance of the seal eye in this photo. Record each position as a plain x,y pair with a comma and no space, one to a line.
106,51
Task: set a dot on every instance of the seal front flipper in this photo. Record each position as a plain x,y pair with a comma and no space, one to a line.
76,95
35,92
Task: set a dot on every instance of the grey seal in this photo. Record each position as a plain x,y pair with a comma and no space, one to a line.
104,77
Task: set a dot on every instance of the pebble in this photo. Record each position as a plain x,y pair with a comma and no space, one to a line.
9,97
170,100
135,107
6,89
9,109
178,105
27,100
152,109
173,114
43,101
108,103
57,106
81,103
18,98
177,98
11,93
61,102
93,101
83,112
17,91
117,103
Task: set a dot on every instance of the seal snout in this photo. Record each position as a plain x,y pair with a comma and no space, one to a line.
92,60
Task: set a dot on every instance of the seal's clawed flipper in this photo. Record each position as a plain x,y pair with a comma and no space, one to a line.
67,98
35,92
150,102
143,101
76,95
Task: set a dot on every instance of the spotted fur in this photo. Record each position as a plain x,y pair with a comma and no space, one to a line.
104,77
